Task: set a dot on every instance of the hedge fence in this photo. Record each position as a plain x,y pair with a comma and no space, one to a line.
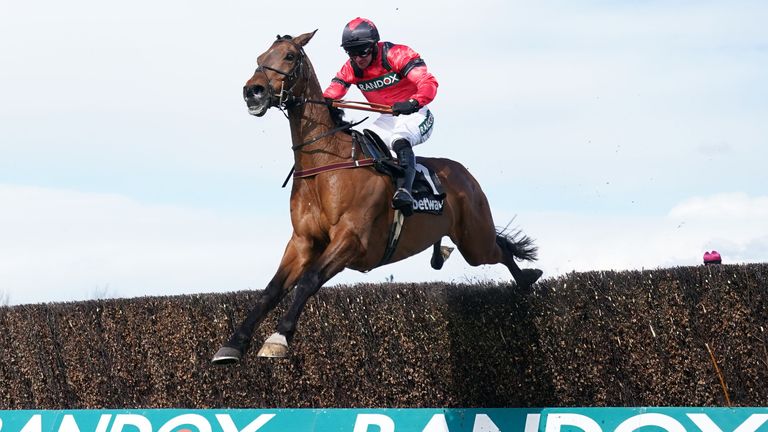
688,336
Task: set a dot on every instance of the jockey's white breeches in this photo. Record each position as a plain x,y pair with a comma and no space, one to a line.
416,127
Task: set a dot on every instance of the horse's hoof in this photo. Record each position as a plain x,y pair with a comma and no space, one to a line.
532,275
273,350
226,355
527,279
438,259
276,346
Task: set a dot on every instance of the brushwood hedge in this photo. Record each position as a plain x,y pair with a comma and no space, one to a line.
687,336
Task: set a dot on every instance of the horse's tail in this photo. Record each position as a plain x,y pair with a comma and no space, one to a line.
516,244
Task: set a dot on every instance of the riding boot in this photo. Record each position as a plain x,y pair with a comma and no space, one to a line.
403,198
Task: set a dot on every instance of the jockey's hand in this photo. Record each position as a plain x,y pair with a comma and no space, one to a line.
408,107
328,101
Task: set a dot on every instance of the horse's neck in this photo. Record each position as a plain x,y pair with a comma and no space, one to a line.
309,121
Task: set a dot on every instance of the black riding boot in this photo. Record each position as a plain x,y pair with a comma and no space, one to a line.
403,199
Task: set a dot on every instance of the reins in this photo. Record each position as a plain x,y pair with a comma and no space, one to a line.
318,138
327,133
363,106
356,105
286,99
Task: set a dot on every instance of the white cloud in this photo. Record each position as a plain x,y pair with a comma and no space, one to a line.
733,224
732,208
62,245
69,245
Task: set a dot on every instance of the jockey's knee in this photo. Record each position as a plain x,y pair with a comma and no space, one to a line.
400,143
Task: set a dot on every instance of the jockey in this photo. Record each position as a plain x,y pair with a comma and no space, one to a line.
393,75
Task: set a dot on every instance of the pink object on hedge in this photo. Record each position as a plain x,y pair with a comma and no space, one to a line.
712,257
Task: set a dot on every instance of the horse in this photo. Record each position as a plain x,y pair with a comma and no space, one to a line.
342,218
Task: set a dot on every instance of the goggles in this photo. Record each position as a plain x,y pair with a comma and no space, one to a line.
360,51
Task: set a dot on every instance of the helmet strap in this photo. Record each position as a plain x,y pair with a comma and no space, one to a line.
356,69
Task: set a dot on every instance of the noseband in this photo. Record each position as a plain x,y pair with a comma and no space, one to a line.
285,98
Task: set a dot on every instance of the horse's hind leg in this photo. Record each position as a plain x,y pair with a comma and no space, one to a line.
495,248
522,247
440,255
479,243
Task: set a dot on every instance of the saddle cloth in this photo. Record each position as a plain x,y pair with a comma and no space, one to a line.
427,191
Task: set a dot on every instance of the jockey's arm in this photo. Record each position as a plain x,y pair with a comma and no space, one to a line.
409,64
337,89
426,85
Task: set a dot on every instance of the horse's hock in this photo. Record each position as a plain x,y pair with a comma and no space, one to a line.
585,339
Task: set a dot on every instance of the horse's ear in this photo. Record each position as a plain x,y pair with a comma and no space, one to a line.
303,39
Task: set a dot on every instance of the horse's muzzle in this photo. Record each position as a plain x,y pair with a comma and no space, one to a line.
257,98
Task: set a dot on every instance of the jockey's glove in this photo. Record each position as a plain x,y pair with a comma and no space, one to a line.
408,107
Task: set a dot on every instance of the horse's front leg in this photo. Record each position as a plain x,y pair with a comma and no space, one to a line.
291,267
334,259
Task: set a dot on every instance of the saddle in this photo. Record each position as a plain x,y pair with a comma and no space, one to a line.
427,190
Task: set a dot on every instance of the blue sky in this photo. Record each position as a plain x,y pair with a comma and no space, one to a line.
619,135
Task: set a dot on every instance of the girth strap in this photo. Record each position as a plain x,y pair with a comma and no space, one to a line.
394,237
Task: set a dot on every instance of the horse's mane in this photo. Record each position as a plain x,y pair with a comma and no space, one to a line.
337,115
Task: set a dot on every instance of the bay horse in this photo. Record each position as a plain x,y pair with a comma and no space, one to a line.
342,218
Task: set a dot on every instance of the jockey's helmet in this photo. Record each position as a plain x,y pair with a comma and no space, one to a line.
359,32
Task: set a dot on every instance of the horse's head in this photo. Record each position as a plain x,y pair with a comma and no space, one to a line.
280,77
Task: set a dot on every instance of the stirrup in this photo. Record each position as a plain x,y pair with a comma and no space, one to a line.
403,203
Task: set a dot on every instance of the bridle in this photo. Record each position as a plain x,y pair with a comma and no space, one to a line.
285,98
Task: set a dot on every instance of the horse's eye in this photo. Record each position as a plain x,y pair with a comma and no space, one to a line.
290,57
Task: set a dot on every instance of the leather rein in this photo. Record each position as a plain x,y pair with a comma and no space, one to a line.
286,99
354,163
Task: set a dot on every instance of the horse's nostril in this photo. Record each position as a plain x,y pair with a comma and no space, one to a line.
254,91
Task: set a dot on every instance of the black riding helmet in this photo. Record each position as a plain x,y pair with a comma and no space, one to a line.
358,34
